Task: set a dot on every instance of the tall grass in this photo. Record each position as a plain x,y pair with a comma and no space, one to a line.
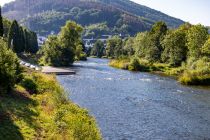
46,113
190,73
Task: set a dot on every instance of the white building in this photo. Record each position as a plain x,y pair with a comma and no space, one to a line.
41,40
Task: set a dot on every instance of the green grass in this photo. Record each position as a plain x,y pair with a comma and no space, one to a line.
93,57
193,77
48,114
120,64
139,65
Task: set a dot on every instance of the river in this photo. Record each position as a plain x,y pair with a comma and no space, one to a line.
139,106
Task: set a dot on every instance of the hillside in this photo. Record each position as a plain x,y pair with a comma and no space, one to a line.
98,16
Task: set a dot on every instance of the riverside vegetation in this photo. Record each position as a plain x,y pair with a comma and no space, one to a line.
34,105
183,52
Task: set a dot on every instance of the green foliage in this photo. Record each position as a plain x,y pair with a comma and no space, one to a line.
7,24
194,78
51,52
15,39
196,37
182,52
120,63
206,49
139,44
175,50
128,48
10,71
148,45
30,40
83,56
98,49
79,53
96,30
114,47
29,84
45,115
20,39
61,50
134,65
1,25
69,39
156,34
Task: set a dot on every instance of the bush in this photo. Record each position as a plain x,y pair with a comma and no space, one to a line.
197,73
194,78
83,57
134,65
30,85
39,83
65,119
121,64
10,71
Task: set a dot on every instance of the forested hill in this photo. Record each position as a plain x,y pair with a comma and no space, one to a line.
98,16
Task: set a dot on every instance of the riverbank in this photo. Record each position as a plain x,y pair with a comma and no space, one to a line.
181,74
38,109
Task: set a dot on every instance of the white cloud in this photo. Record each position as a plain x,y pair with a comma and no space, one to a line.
2,2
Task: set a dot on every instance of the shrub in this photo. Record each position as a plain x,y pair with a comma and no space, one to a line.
39,83
194,78
121,64
10,71
134,65
66,120
83,57
197,73
30,85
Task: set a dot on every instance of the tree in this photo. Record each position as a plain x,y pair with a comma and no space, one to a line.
1,24
69,38
155,36
128,48
175,49
7,24
98,49
140,44
152,51
15,39
114,47
30,41
196,37
22,38
51,52
10,72
61,50
206,49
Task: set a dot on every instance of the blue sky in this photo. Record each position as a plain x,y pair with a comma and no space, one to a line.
193,11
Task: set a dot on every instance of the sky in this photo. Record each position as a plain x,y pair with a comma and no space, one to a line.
2,2
193,11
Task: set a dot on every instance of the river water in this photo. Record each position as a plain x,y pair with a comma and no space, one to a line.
139,106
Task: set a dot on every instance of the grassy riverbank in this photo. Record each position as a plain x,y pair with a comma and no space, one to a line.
39,109
182,74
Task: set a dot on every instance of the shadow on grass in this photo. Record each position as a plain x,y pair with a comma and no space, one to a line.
15,107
